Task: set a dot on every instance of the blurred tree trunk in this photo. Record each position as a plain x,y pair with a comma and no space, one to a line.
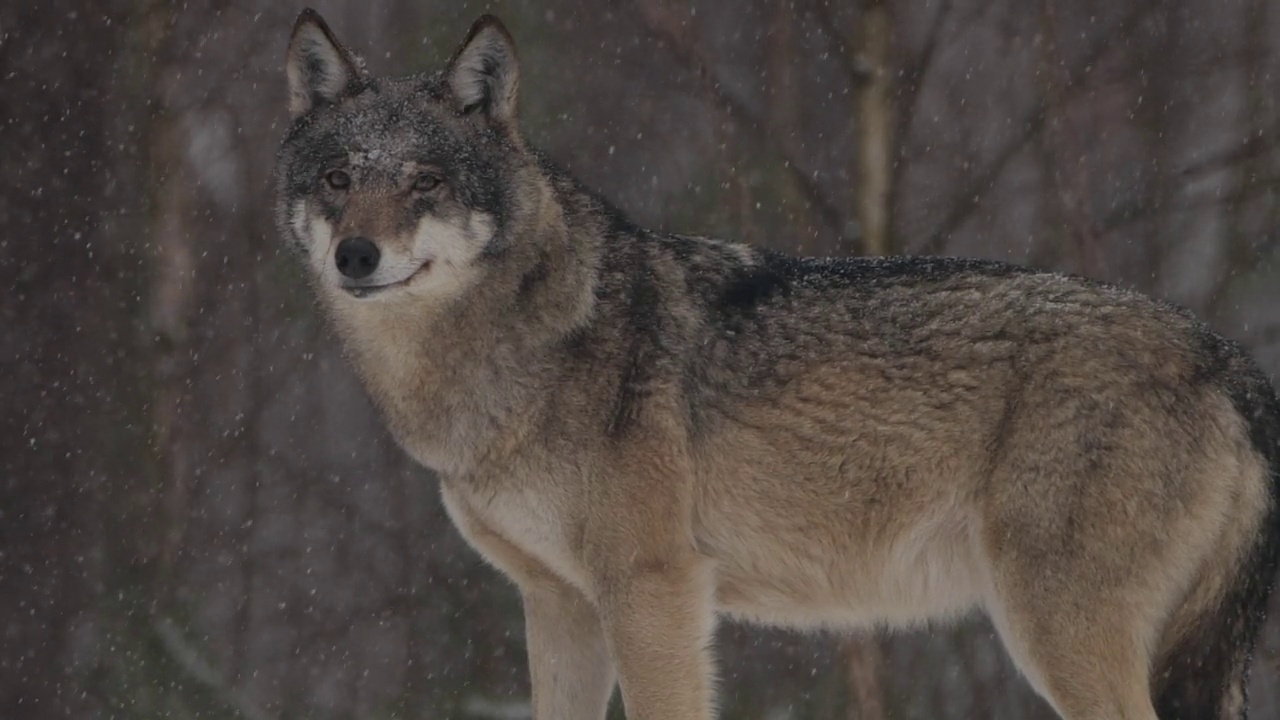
780,65
201,516
171,304
865,659
874,126
72,448
873,181
1065,152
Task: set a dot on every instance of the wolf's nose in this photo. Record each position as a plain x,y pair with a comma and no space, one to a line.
357,257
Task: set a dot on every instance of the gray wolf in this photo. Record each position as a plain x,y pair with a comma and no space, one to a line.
645,431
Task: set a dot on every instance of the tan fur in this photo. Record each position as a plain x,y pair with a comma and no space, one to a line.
644,431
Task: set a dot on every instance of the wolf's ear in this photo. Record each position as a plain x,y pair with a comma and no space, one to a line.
320,70
483,73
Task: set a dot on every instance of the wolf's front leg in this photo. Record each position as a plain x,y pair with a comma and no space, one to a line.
658,622
569,665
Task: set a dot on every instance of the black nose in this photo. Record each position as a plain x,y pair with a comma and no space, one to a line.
357,257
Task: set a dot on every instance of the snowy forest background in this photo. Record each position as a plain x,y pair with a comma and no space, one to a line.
201,515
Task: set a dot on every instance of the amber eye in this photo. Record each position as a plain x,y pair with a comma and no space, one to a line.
426,182
338,179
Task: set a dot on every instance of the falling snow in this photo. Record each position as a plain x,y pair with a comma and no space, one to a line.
202,514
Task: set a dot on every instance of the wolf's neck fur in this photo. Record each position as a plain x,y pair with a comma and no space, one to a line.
458,381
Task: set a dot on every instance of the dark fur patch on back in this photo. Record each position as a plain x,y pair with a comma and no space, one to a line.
752,286
738,299
879,271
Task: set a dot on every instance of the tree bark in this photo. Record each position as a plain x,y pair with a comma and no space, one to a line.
874,128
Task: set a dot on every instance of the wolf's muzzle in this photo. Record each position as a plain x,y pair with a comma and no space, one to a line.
356,257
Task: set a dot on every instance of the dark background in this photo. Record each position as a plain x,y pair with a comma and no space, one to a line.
201,516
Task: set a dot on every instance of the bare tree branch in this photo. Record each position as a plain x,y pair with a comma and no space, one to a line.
913,76
980,184
675,28
1239,266
1145,209
1032,123
844,55
1253,147
189,658
911,81
1066,153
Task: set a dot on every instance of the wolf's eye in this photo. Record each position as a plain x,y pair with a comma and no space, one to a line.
338,179
425,182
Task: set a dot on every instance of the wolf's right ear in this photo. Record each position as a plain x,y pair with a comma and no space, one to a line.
484,74
320,70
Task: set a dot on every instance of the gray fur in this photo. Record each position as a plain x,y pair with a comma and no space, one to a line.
644,430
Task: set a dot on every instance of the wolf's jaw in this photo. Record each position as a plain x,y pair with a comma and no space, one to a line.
369,291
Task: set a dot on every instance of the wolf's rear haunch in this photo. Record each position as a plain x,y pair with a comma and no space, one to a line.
1202,660
646,430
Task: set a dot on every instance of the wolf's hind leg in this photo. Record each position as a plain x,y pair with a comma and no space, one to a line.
1088,656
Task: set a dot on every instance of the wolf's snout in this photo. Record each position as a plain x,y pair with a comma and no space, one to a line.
357,257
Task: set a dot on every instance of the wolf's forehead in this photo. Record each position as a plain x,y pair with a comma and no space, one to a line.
377,138
376,157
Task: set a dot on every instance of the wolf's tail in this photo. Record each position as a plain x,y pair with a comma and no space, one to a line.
1204,674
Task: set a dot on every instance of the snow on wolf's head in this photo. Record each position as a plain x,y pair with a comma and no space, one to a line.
401,188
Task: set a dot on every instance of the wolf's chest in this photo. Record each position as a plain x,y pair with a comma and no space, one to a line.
518,530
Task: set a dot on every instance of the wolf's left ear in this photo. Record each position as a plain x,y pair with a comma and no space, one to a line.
484,74
320,70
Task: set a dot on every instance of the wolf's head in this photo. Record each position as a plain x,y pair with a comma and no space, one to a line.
400,188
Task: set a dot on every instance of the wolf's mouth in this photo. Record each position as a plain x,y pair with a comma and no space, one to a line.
368,291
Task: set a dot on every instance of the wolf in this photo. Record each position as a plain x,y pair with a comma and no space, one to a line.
648,431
